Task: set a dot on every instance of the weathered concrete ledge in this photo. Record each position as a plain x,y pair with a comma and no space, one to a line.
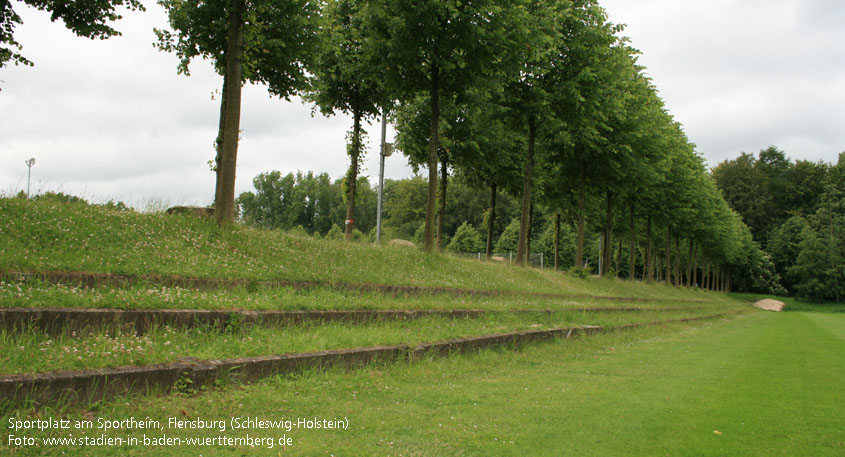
90,279
56,321
73,387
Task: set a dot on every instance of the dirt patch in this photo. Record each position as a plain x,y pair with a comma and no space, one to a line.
769,305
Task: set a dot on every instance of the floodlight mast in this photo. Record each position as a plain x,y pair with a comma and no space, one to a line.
29,163
381,173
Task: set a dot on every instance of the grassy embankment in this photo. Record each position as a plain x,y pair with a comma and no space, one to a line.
48,235
634,391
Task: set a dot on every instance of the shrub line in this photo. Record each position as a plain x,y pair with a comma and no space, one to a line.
73,387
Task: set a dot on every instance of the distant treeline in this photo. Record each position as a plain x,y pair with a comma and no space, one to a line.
796,211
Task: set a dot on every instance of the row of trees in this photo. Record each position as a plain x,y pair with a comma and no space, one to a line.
542,100
796,210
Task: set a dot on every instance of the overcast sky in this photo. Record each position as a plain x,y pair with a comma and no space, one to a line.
112,119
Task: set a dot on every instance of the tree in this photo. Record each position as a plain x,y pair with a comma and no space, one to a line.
768,189
89,19
313,202
819,271
784,246
440,48
404,206
582,94
475,143
262,41
344,81
526,94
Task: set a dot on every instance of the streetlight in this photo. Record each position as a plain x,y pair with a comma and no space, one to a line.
386,151
29,163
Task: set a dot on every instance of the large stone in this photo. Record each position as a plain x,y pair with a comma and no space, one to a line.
198,211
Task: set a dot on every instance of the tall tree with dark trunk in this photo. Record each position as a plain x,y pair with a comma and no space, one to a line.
262,41
441,48
345,80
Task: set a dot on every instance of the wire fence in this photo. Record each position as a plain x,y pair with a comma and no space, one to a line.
534,260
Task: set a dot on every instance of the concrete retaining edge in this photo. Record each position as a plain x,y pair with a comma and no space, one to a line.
91,279
74,387
84,320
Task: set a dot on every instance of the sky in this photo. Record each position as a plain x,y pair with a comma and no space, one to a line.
112,120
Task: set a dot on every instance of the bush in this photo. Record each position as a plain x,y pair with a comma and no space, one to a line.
335,233
580,272
510,237
466,240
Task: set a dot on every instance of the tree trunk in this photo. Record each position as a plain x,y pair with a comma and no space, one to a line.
632,260
491,220
728,282
608,235
433,144
618,255
352,174
689,263
648,249
218,143
695,267
441,217
526,195
657,268
668,276
557,240
678,279
225,211
528,236
579,245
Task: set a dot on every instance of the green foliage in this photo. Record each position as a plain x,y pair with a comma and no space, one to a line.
90,19
765,278
418,235
784,246
313,202
335,233
580,272
60,197
819,271
546,245
466,240
768,189
404,205
509,238
279,39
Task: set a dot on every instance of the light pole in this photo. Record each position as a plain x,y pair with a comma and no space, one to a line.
381,174
29,163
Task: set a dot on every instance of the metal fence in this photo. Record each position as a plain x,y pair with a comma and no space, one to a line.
535,260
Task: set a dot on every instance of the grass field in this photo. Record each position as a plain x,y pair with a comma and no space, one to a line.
763,384
750,384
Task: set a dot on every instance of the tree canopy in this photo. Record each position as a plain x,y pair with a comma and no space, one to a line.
89,19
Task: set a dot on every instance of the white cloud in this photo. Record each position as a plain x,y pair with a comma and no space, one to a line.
112,119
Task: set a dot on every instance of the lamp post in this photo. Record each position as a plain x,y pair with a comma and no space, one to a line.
386,150
29,163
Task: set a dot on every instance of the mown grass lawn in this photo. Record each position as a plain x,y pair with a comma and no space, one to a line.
769,384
